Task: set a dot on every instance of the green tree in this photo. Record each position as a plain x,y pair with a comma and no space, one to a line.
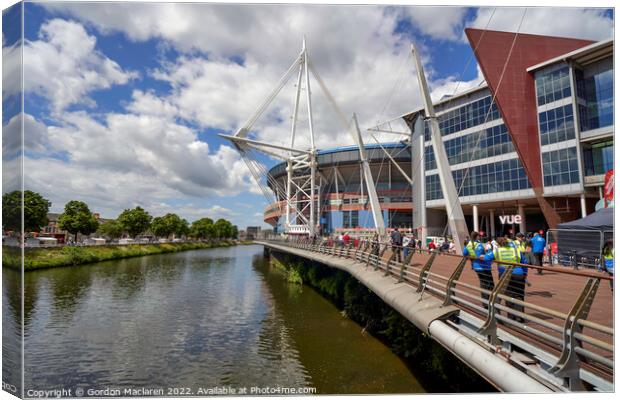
77,218
235,232
203,228
166,225
36,208
135,221
112,229
223,228
182,229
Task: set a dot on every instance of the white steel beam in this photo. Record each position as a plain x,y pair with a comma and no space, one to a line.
259,143
245,129
370,184
456,219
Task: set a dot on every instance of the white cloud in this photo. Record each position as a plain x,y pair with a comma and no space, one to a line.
154,146
35,135
63,65
577,23
439,22
11,69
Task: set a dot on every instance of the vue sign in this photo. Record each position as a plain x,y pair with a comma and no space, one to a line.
510,219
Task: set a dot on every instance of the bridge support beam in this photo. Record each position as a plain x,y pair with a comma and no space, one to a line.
491,367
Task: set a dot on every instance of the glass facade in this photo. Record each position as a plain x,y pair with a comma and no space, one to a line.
501,176
552,85
599,158
556,125
595,95
465,117
560,167
350,219
488,142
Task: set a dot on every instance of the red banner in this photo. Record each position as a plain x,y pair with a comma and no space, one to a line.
609,186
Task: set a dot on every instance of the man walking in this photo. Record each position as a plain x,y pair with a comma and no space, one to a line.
538,248
482,268
397,241
516,285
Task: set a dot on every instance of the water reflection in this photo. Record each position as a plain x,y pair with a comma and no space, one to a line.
198,318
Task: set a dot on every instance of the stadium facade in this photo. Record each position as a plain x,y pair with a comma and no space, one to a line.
527,151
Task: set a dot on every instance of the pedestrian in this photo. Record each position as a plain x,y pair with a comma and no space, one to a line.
397,241
346,239
475,249
340,240
608,260
516,285
538,248
520,242
431,245
530,259
406,242
445,246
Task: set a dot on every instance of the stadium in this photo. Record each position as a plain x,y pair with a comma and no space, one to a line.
534,154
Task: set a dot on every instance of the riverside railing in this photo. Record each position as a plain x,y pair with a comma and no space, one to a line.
562,328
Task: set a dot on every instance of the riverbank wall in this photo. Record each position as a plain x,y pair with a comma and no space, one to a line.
441,370
50,257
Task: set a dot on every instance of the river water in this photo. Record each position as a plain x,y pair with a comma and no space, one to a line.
196,319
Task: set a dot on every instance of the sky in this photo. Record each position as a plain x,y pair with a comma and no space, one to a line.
123,102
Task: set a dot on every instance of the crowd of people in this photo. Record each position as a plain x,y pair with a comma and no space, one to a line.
521,249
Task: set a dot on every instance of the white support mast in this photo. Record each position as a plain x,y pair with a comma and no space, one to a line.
370,184
301,194
456,219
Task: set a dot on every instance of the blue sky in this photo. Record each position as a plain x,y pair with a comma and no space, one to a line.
124,101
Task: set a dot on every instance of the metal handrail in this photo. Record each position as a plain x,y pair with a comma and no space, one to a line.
371,253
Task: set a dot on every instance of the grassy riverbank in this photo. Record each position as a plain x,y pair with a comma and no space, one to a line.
38,258
441,371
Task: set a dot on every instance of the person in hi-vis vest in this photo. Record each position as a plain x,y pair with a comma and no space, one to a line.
474,248
507,252
608,259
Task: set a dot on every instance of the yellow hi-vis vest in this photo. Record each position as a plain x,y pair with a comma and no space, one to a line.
511,254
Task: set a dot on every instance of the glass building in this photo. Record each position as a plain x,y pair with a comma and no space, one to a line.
549,142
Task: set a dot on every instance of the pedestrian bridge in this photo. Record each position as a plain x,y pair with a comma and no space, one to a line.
565,342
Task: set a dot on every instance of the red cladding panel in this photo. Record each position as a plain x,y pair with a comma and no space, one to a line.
515,95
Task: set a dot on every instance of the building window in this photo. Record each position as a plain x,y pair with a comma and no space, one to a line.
595,96
488,142
552,85
496,177
599,158
560,167
556,125
433,188
465,117
350,219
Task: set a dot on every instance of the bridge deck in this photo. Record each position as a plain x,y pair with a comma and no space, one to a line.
553,290
540,336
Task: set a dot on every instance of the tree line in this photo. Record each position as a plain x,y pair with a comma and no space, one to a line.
78,219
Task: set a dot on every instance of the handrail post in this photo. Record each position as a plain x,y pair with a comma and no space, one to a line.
389,261
452,281
404,264
424,270
489,328
567,366
380,256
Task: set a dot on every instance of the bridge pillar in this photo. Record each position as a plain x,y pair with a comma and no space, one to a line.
522,215
476,222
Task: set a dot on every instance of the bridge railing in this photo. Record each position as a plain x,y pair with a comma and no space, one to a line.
563,323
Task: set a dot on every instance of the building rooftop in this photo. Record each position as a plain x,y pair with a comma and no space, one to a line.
583,56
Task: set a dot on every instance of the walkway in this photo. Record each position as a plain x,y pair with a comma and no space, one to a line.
579,303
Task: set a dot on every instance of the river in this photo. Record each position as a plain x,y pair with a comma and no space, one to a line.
196,319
